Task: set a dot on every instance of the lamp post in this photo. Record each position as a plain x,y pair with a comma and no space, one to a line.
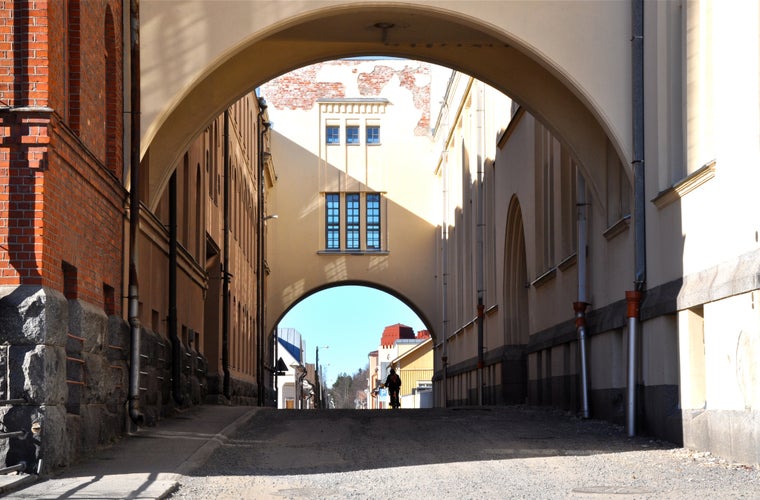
316,378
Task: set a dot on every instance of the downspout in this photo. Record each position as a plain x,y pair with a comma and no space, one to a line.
580,306
445,270
479,258
262,127
639,209
134,216
225,264
172,320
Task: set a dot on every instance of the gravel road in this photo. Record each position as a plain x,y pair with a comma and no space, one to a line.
499,452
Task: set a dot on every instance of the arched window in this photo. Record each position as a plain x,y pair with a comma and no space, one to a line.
73,66
111,113
199,226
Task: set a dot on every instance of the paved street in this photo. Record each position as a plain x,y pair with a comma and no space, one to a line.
453,453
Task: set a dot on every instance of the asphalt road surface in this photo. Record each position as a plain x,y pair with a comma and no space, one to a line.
494,452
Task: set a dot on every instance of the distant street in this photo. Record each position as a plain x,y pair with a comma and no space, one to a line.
454,453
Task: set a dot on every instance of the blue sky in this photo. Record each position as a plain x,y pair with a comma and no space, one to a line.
350,320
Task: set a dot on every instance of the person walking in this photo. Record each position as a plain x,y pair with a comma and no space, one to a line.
393,384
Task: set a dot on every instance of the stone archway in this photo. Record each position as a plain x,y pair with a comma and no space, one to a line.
572,79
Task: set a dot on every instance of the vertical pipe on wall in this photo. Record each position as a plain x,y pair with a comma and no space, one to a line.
479,257
134,216
261,126
445,268
582,302
633,300
172,319
639,208
225,264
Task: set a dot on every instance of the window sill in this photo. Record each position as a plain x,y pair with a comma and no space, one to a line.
568,262
544,278
617,228
352,252
685,186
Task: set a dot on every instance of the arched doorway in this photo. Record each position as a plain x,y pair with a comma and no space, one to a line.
514,368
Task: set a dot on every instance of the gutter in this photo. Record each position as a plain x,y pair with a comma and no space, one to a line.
133,399
225,265
172,319
639,208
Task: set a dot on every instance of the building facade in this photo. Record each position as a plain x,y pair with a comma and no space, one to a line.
345,135
67,331
690,243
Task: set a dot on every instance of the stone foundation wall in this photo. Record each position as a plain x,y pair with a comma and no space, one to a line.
64,365
726,433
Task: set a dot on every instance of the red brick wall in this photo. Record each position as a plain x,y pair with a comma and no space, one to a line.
60,204
300,89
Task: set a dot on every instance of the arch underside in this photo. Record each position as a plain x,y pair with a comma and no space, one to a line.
377,286
422,34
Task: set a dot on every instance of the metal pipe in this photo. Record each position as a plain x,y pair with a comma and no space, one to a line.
580,326
133,399
19,467
639,208
479,250
12,434
445,275
172,319
225,265
262,127
582,303
633,299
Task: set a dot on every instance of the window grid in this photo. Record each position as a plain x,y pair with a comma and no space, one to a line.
352,134
373,221
352,221
373,134
333,221
332,134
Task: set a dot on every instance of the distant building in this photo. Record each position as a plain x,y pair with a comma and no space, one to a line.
415,367
395,341
294,387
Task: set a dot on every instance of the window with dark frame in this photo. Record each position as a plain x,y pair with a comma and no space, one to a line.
352,134
373,221
332,215
373,134
353,221
332,134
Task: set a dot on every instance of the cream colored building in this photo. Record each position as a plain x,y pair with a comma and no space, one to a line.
218,255
415,367
672,137
344,133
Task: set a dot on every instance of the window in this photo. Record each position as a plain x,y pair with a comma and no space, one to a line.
343,227
373,134
352,221
373,221
73,66
352,134
332,132
333,221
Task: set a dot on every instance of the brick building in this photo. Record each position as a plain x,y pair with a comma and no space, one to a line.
66,374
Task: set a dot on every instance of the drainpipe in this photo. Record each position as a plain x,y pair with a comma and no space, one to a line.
225,265
639,208
580,306
262,126
134,216
445,271
479,258
172,320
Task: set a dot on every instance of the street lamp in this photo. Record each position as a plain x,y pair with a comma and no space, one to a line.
316,378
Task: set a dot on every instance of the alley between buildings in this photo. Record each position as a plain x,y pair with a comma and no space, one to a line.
487,452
